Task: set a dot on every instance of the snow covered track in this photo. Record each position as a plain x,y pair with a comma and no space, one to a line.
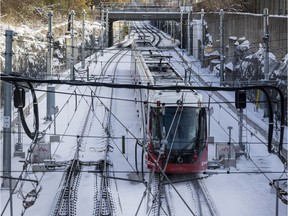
103,200
67,196
66,200
204,203
162,204
175,195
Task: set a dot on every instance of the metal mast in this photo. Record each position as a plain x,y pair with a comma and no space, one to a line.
202,40
83,41
72,72
7,111
7,182
49,111
221,48
266,42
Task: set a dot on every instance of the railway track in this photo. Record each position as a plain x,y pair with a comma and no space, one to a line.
155,36
205,204
180,196
67,196
103,200
162,205
66,200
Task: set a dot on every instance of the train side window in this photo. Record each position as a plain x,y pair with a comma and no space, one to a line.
203,126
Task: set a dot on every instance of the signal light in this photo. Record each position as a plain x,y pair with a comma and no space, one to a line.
240,99
195,156
19,97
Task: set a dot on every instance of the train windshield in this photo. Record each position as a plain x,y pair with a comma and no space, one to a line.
182,127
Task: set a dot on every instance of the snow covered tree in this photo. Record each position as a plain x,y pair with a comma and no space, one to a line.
226,5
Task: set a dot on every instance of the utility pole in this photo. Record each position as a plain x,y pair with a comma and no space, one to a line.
240,103
129,30
49,67
83,41
171,28
181,29
107,30
266,55
7,182
50,45
242,146
72,72
119,26
102,32
188,33
221,48
266,42
202,40
7,110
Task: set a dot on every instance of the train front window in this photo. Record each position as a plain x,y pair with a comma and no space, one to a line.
181,127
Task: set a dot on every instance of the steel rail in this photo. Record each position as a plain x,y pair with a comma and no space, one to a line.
104,203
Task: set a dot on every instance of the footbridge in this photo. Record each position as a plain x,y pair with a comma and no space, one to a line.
160,14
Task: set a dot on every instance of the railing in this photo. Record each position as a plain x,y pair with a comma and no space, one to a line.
140,8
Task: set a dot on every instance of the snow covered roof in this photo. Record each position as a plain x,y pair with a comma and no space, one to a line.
229,66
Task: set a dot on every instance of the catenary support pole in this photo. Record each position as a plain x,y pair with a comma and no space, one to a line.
266,54
49,64
266,42
7,182
242,146
107,35
83,41
202,40
181,30
72,72
188,33
102,32
7,111
171,28
221,48
50,45
129,29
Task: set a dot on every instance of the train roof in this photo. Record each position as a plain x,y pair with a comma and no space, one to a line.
163,73
172,98
143,43
158,70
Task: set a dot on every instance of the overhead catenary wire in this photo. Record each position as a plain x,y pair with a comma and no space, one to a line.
178,87
132,138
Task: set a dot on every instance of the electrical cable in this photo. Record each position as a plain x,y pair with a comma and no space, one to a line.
177,88
35,108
